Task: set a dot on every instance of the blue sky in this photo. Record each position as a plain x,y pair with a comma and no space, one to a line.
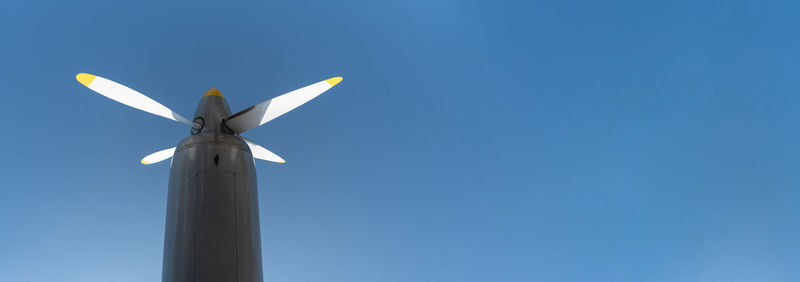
469,141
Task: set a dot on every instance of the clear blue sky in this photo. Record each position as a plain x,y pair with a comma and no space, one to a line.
469,141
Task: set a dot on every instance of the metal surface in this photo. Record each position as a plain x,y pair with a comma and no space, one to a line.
212,229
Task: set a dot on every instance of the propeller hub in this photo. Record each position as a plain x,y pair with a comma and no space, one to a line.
209,114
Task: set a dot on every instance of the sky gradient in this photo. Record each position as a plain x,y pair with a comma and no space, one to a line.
469,141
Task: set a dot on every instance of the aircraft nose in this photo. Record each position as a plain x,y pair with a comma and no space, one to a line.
213,92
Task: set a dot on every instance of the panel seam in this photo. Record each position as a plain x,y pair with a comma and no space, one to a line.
236,225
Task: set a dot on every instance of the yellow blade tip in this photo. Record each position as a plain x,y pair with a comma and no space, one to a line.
333,81
145,162
213,92
282,162
85,78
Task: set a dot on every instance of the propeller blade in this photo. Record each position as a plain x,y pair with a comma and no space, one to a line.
158,156
262,113
262,153
127,96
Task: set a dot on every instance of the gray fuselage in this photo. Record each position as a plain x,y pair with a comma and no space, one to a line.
212,229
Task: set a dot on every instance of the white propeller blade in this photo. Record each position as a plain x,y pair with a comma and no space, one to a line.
158,156
127,96
262,153
262,113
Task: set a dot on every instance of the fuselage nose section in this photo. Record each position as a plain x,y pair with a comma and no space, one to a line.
212,109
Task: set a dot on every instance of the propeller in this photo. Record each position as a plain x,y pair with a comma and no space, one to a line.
262,153
239,122
266,111
257,151
158,156
127,96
